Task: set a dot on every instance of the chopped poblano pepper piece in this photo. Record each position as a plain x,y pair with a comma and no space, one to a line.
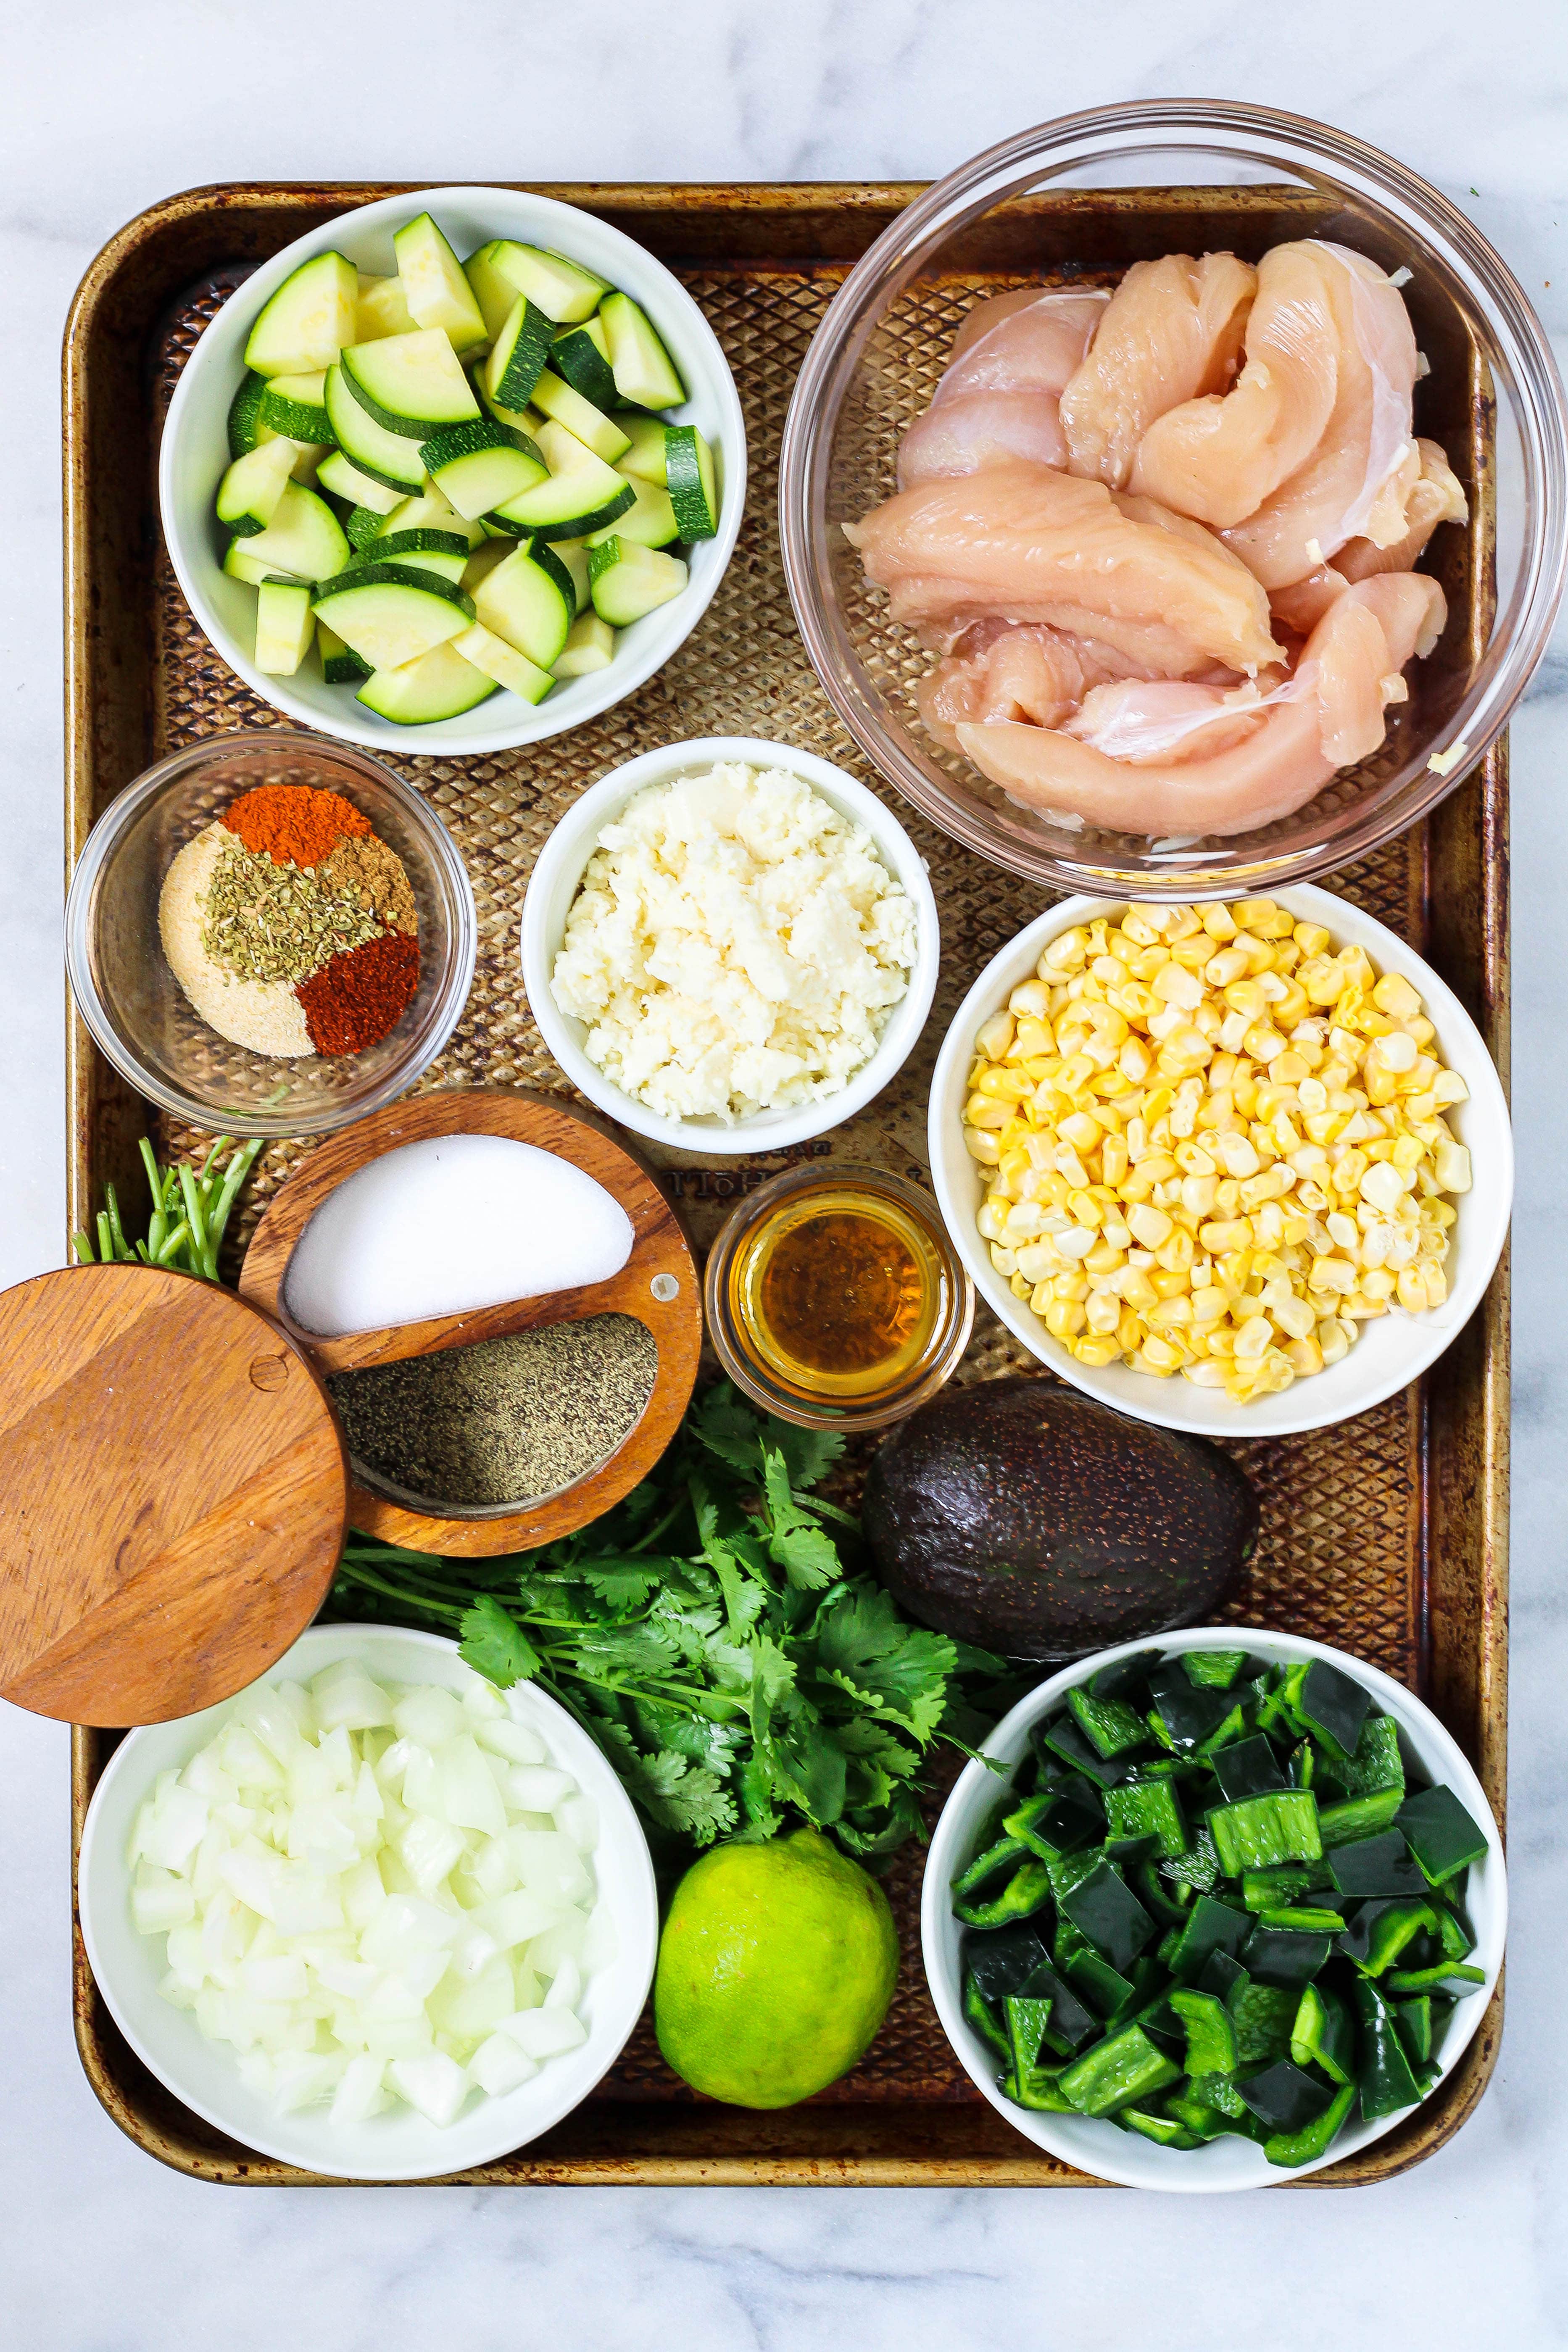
980,2014
1219,2091
1288,2150
1186,1715
1197,1868
1120,2071
1106,1723
1264,2015
1230,1729
1067,1871
1003,1962
1124,1675
1105,1989
1276,1955
1322,2033
1163,2130
1248,1768
1359,1817
1452,1933
1262,1831
1303,1768
1413,2022
1213,1669
1027,1892
1383,2070
1376,1764
1333,1706
1376,1865
1026,2020
1102,1907
1064,1740
1380,1931
1210,2031
1168,1904
1447,1976
1267,1890
1223,1973
1206,2122
1211,1928
1062,1819
1444,1838
1283,2096
1071,2026
1148,1809
1039,2089
1305,1920
1006,1852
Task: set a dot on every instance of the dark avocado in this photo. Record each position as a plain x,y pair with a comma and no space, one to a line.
1032,1520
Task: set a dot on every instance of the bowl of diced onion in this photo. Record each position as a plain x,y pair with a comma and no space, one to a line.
373,1918
1339,1314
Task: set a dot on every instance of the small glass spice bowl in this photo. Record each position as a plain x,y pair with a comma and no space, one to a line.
836,1299
137,1011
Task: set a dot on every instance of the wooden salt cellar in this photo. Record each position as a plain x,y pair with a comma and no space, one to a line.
658,1285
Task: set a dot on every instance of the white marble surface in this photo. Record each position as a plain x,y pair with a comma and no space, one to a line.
110,107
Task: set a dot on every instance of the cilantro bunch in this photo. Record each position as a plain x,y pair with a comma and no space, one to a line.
710,1633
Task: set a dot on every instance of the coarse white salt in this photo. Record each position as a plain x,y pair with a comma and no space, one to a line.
447,1226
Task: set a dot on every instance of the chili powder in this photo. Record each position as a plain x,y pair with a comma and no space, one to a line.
294,824
358,996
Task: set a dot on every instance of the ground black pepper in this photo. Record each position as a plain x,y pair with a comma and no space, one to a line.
504,1420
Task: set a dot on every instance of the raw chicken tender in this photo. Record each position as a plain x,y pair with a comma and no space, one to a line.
1172,333
999,397
1348,673
1434,495
1035,674
981,428
1220,456
1350,486
1026,543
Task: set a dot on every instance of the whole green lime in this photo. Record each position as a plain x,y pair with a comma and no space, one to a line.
775,1969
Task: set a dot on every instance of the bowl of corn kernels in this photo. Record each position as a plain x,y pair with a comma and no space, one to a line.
1241,1167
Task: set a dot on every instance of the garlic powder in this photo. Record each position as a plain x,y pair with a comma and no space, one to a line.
736,945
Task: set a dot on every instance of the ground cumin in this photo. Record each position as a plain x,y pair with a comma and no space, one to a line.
365,868
356,997
295,824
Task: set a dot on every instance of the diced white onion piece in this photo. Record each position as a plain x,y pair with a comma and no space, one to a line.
360,2094
543,2032
177,1827
536,1789
430,1715
280,1978
498,2065
302,1902
160,1902
566,1987
564,1941
437,2085
470,1795
549,1865
513,1740
578,1818
474,2009
175,1991
345,1696
513,1919
481,1702
301,2079
428,1848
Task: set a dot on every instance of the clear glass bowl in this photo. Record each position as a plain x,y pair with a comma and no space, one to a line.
141,1016
1075,202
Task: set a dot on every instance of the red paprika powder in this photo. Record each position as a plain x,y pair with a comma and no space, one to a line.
357,997
294,824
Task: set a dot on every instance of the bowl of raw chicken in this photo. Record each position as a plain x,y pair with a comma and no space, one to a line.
1175,498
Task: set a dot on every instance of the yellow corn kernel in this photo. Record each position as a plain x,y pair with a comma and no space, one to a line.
1393,995
1136,1289
1332,1274
1095,1351
1230,964
1172,1312
995,1036
1160,1356
1176,1253
1304,1355
1073,1285
1218,921
982,1146
1064,1318
1168,1285
1020,1287
1310,938
1103,1311
1130,1331
1226,1235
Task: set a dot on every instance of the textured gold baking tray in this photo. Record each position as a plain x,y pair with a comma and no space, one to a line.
1387,1535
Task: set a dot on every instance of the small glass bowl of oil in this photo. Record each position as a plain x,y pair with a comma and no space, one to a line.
835,1298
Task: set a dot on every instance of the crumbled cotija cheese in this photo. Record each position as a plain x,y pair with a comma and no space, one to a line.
736,945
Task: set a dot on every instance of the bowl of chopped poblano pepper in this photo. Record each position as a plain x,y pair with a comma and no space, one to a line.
1213,1911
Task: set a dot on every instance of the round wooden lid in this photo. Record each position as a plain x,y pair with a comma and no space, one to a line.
174,1499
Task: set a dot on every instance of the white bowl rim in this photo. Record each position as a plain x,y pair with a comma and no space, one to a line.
642,1896
1181,2171
436,740
1307,1403
571,843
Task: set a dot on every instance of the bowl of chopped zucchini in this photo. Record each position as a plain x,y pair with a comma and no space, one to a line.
1231,1907
457,479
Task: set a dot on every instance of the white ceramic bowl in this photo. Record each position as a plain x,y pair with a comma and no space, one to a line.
195,452
1394,1349
399,2144
1099,2147
553,887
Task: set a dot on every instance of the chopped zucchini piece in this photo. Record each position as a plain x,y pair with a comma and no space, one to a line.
239,564
645,375
646,441
1261,1830
481,464
581,418
411,384
390,458
308,322
504,664
583,493
530,601
563,290
392,617
693,486
304,538
295,405
244,414
573,554
444,552
1444,1838
1120,2071
439,684
432,511
382,308
338,473
518,356
580,356
627,582
434,286
251,491
649,521
340,666
284,627
590,645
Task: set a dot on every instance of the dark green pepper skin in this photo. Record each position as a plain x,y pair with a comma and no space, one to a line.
982,2017
1387,2085
1027,1890
1315,2140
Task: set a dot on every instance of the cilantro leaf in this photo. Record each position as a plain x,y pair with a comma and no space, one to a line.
809,1765
680,1795
809,1453
624,1584
802,1548
865,1646
495,1645
729,1428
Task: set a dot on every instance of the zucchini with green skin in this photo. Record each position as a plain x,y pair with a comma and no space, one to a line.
340,666
380,309
339,473
692,482
434,287
251,491
244,414
572,555
391,617
528,601
582,494
647,439
565,290
503,663
646,376
239,564
308,322
284,627
481,464
410,384
303,538
295,405
443,552
389,458
439,684
517,355
586,424
433,510
627,582
590,645
580,356
648,521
